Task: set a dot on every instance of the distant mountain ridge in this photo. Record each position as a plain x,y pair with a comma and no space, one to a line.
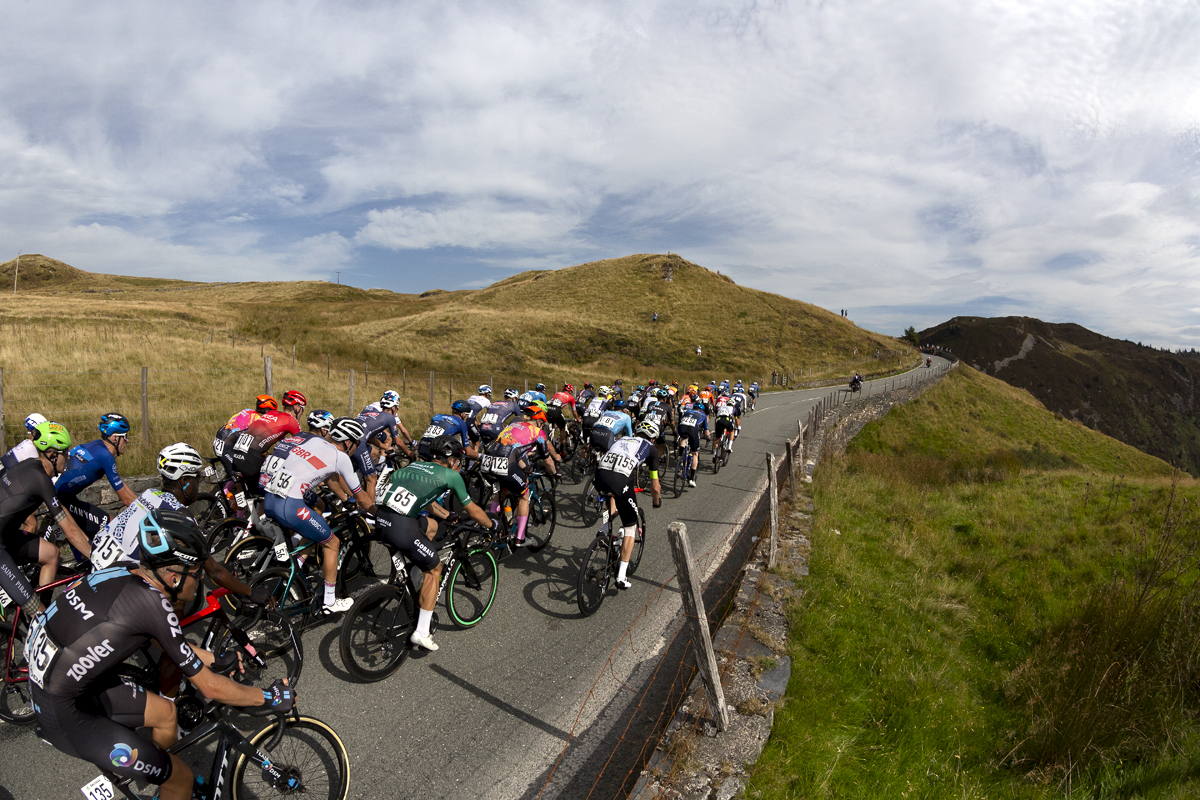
1139,395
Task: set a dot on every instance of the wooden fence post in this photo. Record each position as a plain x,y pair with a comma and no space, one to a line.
431,393
367,375
791,466
697,622
3,432
774,496
327,365
351,413
293,355
404,381
146,406
451,400
268,376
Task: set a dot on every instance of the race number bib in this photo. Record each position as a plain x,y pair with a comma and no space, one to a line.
619,462
107,551
39,653
244,440
497,465
400,500
218,447
491,418
433,431
606,422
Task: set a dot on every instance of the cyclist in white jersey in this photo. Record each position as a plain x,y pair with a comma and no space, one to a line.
179,465
299,463
481,400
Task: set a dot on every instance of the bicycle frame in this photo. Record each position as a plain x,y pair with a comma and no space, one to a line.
22,675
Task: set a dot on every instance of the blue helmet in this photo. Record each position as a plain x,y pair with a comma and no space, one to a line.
113,424
618,405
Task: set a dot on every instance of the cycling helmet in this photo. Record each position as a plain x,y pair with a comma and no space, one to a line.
264,402
113,424
460,407
346,429
51,436
390,399
568,388
169,537
319,420
33,420
484,389
177,460
510,394
641,388
647,428
534,409
605,390
446,447
294,398
541,387
619,404
662,394
617,382
588,385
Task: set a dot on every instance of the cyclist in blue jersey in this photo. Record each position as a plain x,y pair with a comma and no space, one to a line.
457,424
692,420
87,463
610,426
536,393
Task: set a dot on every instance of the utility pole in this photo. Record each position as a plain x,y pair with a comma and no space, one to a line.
339,279
16,269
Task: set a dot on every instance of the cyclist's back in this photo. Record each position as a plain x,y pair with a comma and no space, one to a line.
24,488
495,418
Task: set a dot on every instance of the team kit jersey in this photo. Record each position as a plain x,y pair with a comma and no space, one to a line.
595,408
411,490
24,487
23,451
495,418
611,426
618,466
120,540
87,463
302,461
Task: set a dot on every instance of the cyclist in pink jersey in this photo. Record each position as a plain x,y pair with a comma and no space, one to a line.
508,458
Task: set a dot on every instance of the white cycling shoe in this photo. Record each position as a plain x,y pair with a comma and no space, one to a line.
339,606
423,641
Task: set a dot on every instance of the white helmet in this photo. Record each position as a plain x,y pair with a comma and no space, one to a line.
346,429
603,390
177,460
33,420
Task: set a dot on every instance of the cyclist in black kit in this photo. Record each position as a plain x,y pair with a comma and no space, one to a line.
86,711
24,488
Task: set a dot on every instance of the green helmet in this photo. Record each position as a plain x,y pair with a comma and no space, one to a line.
51,436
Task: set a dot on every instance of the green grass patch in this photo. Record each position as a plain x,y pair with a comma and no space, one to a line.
992,611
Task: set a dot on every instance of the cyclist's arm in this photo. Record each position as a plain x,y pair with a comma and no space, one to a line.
221,576
655,488
126,495
223,690
478,514
338,487
75,536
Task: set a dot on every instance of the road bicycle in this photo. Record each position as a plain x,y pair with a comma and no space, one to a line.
721,452
598,572
543,513
683,467
374,641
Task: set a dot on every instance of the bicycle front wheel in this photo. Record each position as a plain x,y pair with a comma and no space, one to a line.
594,575
224,534
543,516
374,638
272,638
589,512
16,706
472,587
677,481
310,755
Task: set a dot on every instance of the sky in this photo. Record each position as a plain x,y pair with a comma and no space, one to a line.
908,161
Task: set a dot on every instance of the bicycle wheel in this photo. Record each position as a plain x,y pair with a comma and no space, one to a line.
208,510
543,516
472,588
589,511
358,557
639,542
225,533
374,638
677,480
272,638
290,591
718,457
310,755
15,704
594,575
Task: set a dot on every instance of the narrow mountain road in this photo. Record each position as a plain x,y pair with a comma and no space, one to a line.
490,713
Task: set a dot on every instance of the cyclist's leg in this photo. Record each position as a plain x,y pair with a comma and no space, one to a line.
626,502
411,536
297,517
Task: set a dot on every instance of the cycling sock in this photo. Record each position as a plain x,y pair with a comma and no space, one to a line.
622,568
330,594
521,523
423,619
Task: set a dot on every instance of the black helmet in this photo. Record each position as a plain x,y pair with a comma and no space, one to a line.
460,407
346,429
541,387
446,447
170,537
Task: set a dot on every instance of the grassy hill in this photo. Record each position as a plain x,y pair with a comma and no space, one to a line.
1140,395
1000,605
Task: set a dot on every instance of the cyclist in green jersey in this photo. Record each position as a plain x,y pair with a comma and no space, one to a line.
406,514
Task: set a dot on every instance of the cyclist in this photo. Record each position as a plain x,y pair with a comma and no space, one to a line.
380,435
390,402
456,423
583,398
25,487
297,464
86,464
753,392
659,412
25,448
610,426
635,398
224,439
319,421
83,708
724,424
251,446
492,421
407,513
740,403
706,398
537,393
599,404
617,475
692,420
510,456
481,399
558,406
617,389
179,465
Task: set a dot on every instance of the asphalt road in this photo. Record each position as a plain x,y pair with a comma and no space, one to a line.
491,712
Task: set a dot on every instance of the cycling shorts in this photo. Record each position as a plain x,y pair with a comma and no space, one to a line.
555,417
99,727
723,425
294,515
248,465
621,487
692,435
515,479
602,439
407,534
21,545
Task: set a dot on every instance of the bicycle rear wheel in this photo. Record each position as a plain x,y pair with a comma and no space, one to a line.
594,575
543,516
472,588
208,510
16,706
309,754
374,638
290,591
272,638
639,542
589,512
